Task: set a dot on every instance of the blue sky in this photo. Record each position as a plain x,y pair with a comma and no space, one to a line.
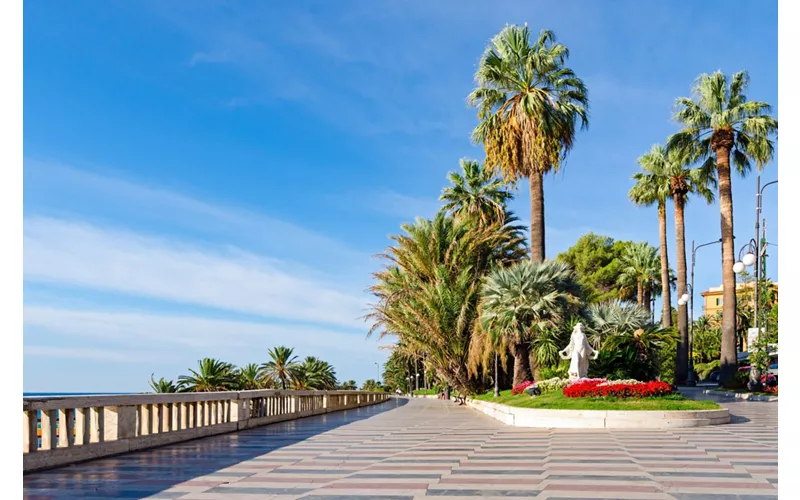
213,178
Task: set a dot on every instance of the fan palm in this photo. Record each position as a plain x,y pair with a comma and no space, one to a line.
212,375
162,385
528,104
476,193
671,168
250,377
641,266
428,292
282,365
519,302
614,317
720,124
350,385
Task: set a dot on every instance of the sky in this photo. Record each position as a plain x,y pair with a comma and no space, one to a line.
214,178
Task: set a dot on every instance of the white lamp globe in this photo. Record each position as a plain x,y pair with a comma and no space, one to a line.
738,267
681,301
749,259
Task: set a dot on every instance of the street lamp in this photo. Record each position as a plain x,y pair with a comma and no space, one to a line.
754,253
690,381
377,371
417,384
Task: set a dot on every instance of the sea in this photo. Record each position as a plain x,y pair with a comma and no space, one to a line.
60,394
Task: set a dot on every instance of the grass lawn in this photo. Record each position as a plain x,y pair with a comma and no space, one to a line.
557,401
427,392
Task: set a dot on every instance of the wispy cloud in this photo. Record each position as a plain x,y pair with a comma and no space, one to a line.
400,205
86,354
77,254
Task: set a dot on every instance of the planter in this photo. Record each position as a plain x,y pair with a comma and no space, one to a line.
600,419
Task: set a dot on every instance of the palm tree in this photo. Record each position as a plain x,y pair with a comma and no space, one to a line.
650,188
250,377
428,292
613,317
518,302
350,385
719,125
282,366
318,374
640,266
528,104
212,375
671,170
162,385
477,194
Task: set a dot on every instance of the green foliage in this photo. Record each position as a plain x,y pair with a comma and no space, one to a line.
614,317
371,385
666,359
476,194
707,340
640,269
428,293
350,385
314,373
559,370
704,369
282,366
162,385
249,377
632,355
596,261
739,380
212,375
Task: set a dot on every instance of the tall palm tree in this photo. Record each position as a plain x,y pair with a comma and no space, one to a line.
250,377
671,169
519,302
720,124
528,104
282,365
641,266
476,194
212,375
651,188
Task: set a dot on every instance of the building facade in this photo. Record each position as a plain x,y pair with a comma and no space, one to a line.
712,298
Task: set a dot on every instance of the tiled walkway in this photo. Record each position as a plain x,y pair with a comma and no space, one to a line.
428,448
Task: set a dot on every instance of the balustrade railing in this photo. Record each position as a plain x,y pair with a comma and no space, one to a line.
62,430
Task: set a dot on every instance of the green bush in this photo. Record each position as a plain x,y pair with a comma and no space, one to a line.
739,380
552,384
667,354
704,369
558,371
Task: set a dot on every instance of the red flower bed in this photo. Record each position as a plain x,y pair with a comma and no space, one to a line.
593,389
520,388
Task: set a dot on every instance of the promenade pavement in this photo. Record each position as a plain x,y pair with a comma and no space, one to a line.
419,448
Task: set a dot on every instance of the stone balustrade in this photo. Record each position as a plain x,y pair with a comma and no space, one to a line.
58,431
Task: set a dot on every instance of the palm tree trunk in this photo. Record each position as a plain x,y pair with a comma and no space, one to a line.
682,365
639,293
646,297
537,217
522,363
728,362
666,311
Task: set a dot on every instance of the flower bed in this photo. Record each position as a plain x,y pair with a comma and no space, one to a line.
600,388
520,388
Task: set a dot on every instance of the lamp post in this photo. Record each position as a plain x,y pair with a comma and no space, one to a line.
417,377
755,251
690,381
496,383
377,371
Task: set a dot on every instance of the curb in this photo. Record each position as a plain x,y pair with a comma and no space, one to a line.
742,395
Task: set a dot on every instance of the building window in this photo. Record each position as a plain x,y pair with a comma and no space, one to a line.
719,302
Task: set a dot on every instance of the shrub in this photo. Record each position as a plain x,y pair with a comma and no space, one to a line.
520,388
552,384
739,380
593,388
704,369
558,371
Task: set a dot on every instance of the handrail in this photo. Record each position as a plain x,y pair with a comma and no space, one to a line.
67,429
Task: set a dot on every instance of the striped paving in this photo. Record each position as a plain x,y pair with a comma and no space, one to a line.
429,448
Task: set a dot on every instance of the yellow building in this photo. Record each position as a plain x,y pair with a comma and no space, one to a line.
712,298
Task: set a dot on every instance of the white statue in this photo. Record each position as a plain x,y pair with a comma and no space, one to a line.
578,351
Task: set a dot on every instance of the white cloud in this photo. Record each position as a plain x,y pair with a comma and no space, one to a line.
77,254
170,342
400,205
85,353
